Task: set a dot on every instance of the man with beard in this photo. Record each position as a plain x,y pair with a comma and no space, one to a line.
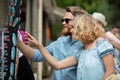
63,47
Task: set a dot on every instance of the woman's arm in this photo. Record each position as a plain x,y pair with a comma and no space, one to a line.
49,58
109,64
70,61
25,49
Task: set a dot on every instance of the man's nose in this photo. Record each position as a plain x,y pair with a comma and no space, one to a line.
64,22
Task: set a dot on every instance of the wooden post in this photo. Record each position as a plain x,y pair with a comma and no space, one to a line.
39,65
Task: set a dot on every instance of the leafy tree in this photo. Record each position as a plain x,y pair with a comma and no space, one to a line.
114,4
56,30
110,8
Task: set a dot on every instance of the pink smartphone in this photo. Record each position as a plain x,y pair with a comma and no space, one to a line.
22,36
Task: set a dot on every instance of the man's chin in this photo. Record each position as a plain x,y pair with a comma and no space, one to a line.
66,32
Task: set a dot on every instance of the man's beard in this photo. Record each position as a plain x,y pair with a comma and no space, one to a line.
66,32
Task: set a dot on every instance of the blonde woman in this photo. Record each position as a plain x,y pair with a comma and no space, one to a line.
95,60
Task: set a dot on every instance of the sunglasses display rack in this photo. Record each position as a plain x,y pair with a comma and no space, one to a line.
8,41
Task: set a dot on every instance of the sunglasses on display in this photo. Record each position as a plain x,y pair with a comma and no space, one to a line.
66,20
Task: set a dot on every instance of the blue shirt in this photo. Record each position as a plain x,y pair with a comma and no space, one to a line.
90,64
62,48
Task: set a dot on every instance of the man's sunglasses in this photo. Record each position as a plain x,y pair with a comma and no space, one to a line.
66,20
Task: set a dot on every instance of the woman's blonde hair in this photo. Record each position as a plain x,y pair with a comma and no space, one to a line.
87,29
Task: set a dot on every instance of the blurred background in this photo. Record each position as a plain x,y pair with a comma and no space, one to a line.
42,18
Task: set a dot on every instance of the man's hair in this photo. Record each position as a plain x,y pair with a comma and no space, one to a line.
76,10
116,26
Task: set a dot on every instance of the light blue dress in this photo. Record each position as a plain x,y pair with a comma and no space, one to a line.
90,65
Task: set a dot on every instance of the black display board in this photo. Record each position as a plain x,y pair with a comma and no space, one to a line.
8,41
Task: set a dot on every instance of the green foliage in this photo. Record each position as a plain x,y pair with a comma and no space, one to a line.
110,8
114,4
56,30
64,3
88,5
